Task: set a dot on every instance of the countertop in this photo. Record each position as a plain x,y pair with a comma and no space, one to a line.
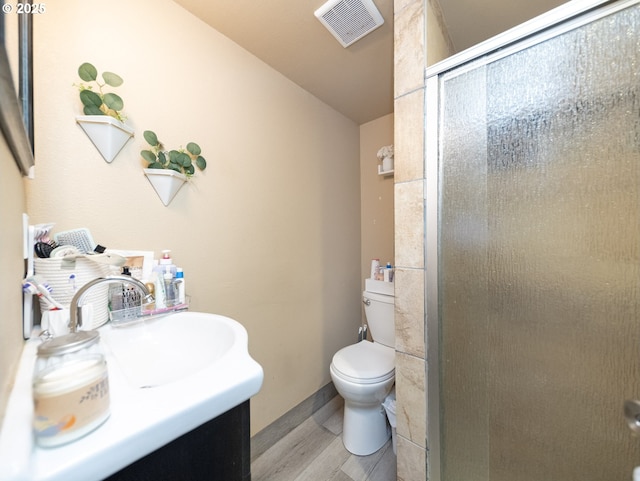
141,420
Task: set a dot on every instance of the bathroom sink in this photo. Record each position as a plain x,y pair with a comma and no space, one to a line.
167,376
165,349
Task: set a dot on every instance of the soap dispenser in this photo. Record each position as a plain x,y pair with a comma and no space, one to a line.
167,262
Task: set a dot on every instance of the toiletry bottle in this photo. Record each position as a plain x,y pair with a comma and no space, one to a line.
151,287
158,282
388,273
169,287
375,266
131,301
181,285
118,298
165,261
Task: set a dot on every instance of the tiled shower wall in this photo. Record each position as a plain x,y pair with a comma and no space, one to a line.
418,32
411,409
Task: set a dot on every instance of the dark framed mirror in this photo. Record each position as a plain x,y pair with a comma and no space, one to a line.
16,113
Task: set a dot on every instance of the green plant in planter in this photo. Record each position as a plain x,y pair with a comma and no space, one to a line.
181,161
100,102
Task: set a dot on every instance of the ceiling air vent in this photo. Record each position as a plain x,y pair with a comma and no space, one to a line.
349,20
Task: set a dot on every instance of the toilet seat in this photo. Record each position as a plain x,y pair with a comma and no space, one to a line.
365,363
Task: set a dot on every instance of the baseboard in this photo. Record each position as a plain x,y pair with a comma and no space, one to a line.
286,423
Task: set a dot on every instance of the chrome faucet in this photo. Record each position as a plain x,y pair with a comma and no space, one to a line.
75,309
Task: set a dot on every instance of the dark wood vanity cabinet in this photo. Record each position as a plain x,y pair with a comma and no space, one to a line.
218,450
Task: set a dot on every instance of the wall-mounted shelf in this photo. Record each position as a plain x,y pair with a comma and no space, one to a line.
384,173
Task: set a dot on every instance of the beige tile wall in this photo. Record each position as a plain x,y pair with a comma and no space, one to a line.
410,62
420,39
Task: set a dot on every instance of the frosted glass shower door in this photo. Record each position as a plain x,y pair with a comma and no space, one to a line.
539,259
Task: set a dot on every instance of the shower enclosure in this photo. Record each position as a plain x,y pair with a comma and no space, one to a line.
533,252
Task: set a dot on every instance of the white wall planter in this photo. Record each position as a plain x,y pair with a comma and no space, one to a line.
166,182
108,134
387,166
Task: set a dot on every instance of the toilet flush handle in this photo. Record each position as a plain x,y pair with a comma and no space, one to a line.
367,302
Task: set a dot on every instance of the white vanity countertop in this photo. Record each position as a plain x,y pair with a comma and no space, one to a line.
141,420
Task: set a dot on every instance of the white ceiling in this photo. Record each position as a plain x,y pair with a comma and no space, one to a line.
356,81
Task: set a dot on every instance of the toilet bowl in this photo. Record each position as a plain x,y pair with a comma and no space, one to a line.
363,374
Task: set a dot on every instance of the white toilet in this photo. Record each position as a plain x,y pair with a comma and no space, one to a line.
363,375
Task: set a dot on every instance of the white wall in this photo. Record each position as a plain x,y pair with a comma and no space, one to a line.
269,234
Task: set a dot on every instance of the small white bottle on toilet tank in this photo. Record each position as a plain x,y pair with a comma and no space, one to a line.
388,273
375,266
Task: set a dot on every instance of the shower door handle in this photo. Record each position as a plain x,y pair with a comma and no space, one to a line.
632,415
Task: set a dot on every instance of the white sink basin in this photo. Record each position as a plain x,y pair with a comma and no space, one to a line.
166,349
197,366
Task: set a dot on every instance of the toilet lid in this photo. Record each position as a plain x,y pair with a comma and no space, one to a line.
365,362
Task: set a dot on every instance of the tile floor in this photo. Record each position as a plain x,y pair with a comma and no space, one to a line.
313,451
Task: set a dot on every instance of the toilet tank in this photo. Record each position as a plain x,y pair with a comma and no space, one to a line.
378,309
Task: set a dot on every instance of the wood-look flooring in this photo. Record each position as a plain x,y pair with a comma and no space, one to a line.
313,451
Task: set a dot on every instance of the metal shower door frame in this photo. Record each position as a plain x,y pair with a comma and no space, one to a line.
567,17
